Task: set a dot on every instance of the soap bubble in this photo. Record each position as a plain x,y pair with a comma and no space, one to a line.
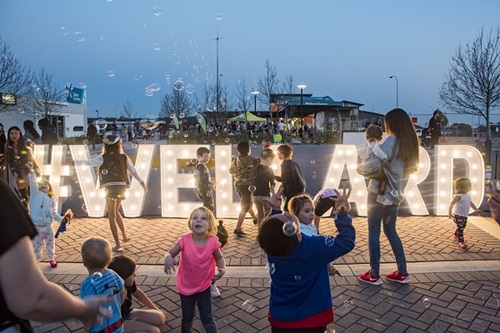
190,89
426,302
271,268
218,16
156,11
297,277
249,305
186,135
79,37
289,228
156,47
110,73
313,162
85,142
252,188
104,172
84,208
179,85
134,145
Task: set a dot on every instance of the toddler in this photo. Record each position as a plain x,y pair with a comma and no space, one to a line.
459,208
136,320
372,165
96,256
43,211
200,253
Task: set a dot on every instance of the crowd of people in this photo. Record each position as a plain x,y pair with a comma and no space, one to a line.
287,217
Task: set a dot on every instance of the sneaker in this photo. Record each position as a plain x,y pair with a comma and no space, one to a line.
369,278
53,263
214,291
239,232
398,277
464,246
384,201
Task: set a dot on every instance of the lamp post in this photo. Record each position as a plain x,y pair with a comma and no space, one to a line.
302,87
97,113
254,93
397,88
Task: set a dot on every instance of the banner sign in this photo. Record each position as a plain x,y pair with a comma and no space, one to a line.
75,95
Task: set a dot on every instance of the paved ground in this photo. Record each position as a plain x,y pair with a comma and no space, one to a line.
452,290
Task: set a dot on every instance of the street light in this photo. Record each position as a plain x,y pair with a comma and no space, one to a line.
97,113
302,87
397,88
254,93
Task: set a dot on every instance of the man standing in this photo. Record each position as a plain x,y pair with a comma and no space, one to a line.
49,136
435,128
92,134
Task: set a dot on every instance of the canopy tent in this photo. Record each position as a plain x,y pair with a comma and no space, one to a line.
249,117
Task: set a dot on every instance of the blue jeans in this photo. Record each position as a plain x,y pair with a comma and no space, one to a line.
387,216
204,300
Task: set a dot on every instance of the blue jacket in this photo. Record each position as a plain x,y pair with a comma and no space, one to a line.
300,285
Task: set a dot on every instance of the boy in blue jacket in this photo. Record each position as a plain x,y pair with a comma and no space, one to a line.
300,297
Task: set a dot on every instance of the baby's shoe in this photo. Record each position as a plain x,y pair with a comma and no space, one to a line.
53,263
384,201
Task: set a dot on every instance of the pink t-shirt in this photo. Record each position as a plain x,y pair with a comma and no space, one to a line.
197,265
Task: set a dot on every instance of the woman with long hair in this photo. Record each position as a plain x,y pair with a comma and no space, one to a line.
114,167
402,149
19,158
3,141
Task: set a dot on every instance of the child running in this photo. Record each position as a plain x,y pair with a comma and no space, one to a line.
96,256
200,253
459,209
263,180
43,211
203,181
136,320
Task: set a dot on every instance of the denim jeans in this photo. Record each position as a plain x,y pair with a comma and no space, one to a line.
387,216
204,301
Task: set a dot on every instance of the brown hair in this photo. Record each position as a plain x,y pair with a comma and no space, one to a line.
271,238
398,123
286,150
374,131
297,202
267,153
123,265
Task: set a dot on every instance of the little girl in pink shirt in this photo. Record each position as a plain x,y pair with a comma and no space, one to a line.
200,252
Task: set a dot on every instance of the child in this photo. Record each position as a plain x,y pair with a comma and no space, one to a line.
96,256
242,169
203,181
459,208
263,180
200,252
43,211
371,165
300,297
136,320
114,168
291,176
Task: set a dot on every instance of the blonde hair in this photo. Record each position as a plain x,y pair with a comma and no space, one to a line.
96,253
212,229
462,185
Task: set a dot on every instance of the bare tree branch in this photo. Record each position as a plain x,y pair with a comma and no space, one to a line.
45,97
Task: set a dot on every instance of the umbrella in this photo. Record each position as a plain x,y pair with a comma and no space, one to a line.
249,117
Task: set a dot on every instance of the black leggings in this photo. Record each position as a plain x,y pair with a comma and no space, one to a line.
461,222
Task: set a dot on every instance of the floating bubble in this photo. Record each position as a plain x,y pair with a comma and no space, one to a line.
182,115
110,73
271,268
155,169
84,208
186,135
313,162
104,172
227,140
101,37
156,47
134,145
297,277
59,143
289,228
209,194
179,85
64,31
249,305
2,167
156,11
170,136
218,16
426,302
394,193
252,188
190,89
79,37
17,157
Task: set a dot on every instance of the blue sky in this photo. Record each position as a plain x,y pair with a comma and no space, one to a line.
343,49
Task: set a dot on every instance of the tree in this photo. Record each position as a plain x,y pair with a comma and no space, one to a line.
242,96
175,103
473,83
15,78
45,97
128,110
268,84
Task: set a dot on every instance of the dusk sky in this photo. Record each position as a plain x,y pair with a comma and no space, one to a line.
343,49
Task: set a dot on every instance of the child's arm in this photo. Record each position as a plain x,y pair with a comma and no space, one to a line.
33,182
377,151
221,265
478,211
96,161
144,299
455,199
169,258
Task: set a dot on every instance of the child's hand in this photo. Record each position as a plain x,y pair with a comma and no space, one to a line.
221,272
479,212
342,200
169,264
385,161
450,216
276,199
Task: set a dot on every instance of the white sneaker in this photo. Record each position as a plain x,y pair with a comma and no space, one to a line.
384,201
214,291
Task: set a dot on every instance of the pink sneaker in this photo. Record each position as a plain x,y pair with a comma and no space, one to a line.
464,246
53,263
369,278
398,277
